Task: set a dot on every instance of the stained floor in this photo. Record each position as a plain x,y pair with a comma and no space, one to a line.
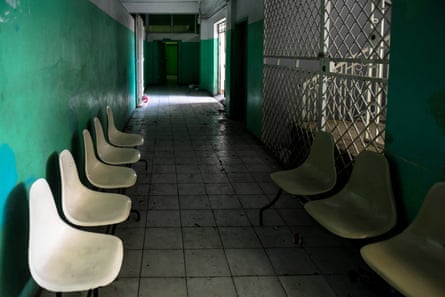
199,200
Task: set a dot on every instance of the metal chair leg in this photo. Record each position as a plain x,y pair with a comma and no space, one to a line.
137,213
277,196
145,163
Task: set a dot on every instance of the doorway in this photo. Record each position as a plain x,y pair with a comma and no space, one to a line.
139,52
171,62
238,93
221,31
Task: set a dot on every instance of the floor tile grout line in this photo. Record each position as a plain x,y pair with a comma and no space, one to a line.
145,227
181,229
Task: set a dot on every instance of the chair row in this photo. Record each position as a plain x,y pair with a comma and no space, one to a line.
63,258
411,261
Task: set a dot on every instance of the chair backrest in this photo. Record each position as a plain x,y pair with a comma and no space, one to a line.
101,142
321,156
430,221
70,181
111,125
45,226
91,160
370,180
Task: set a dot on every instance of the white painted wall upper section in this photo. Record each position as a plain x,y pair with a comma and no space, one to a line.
207,25
116,10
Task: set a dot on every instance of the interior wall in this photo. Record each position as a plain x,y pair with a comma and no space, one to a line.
188,63
188,58
253,12
208,71
61,63
415,129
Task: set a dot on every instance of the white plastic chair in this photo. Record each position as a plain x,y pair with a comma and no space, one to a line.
62,258
111,154
85,207
103,175
413,262
119,138
315,176
365,207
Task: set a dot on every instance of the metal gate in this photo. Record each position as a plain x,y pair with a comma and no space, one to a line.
325,68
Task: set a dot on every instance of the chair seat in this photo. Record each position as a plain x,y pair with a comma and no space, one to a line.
365,206
347,219
303,180
119,156
82,261
62,258
413,262
410,263
84,207
103,208
125,139
112,154
103,175
119,138
112,177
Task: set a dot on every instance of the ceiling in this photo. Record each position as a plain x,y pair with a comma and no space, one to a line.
205,8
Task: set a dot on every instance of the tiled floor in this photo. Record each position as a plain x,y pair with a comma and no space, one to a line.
199,201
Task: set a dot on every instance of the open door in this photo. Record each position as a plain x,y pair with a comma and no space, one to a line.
221,29
139,34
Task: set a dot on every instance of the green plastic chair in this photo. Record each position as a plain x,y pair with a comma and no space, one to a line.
315,176
413,262
365,207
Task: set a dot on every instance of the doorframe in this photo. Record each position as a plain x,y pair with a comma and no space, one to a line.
220,28
139,52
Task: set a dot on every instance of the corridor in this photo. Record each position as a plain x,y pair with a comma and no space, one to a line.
199,199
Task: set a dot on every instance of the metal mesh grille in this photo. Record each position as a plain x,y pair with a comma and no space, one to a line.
290,112
355,112
292,28
345,95
357,29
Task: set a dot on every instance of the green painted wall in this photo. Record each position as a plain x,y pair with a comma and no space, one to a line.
228,87
171,56
415,137
254,114
208,71
188,65
61,63
254,77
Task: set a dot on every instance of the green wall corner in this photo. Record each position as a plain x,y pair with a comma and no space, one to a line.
415,137
208,70
254,77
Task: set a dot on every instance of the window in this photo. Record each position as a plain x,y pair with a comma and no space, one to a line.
176,23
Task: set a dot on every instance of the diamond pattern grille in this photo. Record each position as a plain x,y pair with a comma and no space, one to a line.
355,113
350,38
357,29
292,28
290,112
